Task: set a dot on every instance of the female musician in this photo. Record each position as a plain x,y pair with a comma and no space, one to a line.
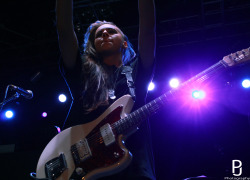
95,74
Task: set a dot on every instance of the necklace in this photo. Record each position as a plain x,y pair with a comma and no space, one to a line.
111,91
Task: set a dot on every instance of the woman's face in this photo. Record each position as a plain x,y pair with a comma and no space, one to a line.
108,39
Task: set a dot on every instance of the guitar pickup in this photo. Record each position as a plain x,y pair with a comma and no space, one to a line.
81,151
55,167
107,134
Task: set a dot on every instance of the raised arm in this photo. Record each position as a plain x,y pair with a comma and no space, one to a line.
147,32
66,34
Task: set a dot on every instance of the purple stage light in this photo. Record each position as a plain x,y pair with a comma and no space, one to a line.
195,94
62,98
58,129
194,99
174,83
44,114
151,86
246,83
198,94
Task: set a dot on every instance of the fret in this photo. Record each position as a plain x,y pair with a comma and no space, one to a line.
160,100
118,127
132,119
121,124
129,121
146,108
124,124
136,117
133,122
140,114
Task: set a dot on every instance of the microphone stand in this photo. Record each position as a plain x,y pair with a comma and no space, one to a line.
12,98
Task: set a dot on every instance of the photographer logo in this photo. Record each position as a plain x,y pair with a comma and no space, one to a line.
237,171
236,167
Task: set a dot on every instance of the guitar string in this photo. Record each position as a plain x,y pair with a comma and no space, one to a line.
96,137
199,78
152,108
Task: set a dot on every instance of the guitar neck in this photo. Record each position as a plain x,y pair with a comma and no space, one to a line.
135,118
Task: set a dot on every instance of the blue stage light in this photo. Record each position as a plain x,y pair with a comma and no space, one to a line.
9,114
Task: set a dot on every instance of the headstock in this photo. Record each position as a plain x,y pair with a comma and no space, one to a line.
237,57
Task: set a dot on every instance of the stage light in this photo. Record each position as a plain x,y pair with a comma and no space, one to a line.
151,86
174,83
58,129
246,83
195,94
9,114
44,114
62,98
198,94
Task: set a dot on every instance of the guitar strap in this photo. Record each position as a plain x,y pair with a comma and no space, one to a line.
127,70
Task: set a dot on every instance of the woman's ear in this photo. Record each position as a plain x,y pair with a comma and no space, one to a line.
125,45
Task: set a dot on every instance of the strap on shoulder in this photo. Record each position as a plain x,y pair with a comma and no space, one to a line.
127,70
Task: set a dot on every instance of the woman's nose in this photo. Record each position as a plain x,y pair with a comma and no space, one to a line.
105,33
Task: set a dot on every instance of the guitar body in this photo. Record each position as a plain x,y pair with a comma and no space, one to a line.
104,160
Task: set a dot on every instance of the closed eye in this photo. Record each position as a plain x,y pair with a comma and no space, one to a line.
112,31
98,34
109,30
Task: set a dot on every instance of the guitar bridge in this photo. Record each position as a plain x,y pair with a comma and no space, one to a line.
55,167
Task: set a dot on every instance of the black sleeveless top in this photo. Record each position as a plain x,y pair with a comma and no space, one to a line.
139,143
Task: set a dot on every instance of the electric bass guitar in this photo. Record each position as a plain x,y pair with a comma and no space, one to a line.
96,149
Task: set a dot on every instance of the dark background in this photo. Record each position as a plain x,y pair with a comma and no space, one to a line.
191,36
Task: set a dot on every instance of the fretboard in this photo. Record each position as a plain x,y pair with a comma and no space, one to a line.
135,118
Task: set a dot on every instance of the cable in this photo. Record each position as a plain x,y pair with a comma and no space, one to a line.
60,70
33,175
5,95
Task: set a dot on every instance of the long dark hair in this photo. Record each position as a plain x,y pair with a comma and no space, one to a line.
95,74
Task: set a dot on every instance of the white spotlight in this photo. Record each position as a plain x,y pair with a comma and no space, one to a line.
151,86
246,83
174,83
9,114
62,98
